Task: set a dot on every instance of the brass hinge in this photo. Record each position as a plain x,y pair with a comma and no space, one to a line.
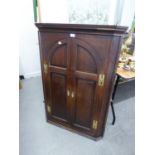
48,109
45,68
101,80
95,123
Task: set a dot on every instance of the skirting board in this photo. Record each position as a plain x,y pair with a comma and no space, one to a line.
34,74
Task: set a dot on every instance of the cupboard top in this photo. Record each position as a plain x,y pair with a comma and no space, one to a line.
83,27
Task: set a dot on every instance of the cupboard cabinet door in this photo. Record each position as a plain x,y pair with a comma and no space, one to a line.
78,68
57,81
86,65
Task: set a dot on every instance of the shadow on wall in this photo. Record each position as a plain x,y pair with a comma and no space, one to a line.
125,91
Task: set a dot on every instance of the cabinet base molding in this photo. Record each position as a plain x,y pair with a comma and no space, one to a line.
68,128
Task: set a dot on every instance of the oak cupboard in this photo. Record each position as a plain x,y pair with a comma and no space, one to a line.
78,67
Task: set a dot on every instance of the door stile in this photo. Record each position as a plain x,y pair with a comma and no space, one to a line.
46,77
73,71
69,81
72,80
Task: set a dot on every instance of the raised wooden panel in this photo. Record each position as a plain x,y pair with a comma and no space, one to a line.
59,56
85,61
85,92
58,96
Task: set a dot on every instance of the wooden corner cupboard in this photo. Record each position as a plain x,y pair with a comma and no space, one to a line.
78,65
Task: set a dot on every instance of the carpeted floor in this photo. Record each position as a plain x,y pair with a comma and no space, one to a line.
37,137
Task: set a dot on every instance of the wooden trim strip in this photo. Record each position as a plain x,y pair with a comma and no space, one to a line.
101,28
57,69
88,76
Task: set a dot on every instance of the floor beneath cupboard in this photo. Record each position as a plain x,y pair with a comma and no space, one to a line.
37,137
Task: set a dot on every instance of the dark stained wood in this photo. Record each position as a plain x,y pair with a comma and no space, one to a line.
58,95
85,75
85,98
58,69
76,55
85,27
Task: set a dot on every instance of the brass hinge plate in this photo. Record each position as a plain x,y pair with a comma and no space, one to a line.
45,68
48,109
95,123
101,80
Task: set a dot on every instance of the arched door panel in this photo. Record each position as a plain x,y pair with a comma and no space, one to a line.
59,57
